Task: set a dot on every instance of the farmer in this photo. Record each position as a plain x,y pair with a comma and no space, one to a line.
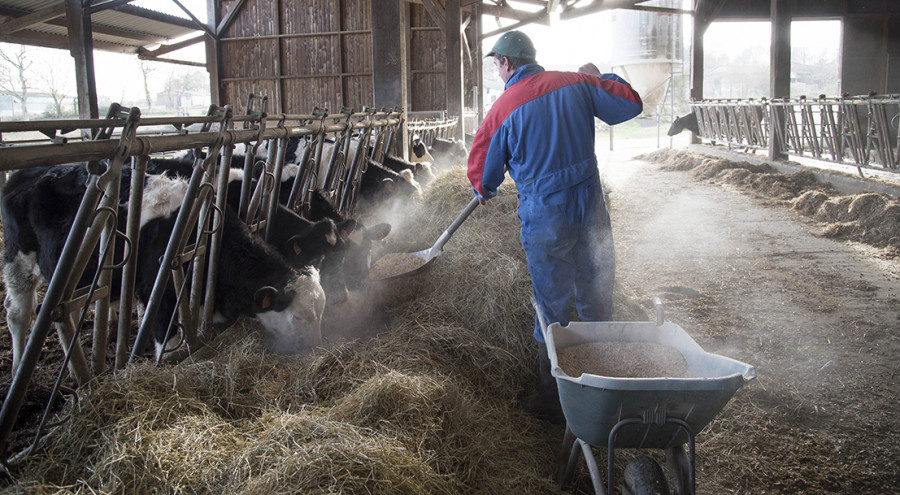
541,131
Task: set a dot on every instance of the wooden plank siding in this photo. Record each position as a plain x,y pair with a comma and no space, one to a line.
302,54
427,64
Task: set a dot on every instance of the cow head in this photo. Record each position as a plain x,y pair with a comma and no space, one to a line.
292,316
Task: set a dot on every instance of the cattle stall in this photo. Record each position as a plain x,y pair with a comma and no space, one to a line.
857,130
117,152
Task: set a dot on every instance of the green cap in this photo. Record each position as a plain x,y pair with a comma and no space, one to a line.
513,44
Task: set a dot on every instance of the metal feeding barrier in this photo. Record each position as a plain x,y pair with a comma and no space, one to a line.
858,130
125,138
429,129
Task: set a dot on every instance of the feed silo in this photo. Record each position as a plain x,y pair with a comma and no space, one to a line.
647,49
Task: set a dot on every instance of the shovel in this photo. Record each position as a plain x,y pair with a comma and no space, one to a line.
402,286
435,250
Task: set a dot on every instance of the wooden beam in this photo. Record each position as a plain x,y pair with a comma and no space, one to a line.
108,4
455,92
780,69
507,12
197,22
214,53
36,17
229,17
82,49
535,18
436,12
597,6
389,48
164,49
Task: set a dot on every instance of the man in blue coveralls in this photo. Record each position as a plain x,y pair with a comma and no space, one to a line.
541,131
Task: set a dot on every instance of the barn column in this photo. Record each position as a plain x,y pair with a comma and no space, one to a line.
81,47
390,28
701,22
780,70
478,64
214,53
453,36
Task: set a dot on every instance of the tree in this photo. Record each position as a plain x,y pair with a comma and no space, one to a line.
56,80
12,74
146,70
179,83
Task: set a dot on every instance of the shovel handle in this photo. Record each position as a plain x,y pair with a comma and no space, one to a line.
455,225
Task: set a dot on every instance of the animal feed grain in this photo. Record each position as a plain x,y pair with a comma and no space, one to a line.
393,264
623,360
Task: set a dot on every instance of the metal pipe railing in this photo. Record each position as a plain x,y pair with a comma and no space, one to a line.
214,132
859,130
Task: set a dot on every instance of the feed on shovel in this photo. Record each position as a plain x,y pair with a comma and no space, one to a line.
393,264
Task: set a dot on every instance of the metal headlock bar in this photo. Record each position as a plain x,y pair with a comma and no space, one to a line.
430,129
859,130
96,221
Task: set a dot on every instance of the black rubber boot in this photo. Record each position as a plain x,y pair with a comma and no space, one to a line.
544,402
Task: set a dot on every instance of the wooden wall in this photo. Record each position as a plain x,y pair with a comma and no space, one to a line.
318,53
299,53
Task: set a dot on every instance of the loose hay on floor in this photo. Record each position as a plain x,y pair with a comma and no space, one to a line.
427,403
870,218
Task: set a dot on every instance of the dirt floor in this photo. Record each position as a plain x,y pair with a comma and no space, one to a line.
750,277
741,263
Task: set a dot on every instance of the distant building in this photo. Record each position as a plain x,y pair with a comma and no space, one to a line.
182,101
38,105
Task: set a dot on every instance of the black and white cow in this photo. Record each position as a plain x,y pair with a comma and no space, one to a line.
39,206
685,122
421,171
378,183
342,245
442,154
449,152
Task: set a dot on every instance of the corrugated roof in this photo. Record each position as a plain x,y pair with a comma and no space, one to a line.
124,28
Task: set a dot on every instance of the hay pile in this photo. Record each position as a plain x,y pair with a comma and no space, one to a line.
426,405
870,218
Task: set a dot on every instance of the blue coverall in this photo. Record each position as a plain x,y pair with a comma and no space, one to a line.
541,131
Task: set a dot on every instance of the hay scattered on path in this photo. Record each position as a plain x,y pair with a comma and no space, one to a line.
870,218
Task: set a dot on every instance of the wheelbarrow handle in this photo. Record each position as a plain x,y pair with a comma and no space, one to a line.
540,315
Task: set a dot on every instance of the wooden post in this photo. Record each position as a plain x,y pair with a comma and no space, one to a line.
478,30
701,22
214,53
780,70
390,64
453,37
81,47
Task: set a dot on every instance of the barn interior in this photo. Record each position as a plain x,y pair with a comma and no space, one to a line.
387,72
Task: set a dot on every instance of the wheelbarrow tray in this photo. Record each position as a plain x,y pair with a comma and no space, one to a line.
593,405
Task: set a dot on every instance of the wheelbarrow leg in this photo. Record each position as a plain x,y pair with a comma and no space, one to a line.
679,469
563,475
593,469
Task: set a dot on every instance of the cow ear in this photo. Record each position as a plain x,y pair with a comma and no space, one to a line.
265,298
379,232
346,228
294,245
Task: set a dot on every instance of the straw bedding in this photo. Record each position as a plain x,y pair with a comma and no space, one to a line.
423,401
870,218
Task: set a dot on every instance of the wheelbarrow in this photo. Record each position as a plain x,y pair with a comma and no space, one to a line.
637,413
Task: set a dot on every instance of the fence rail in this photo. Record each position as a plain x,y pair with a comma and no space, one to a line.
860,130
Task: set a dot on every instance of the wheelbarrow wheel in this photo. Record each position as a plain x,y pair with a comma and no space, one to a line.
644,476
